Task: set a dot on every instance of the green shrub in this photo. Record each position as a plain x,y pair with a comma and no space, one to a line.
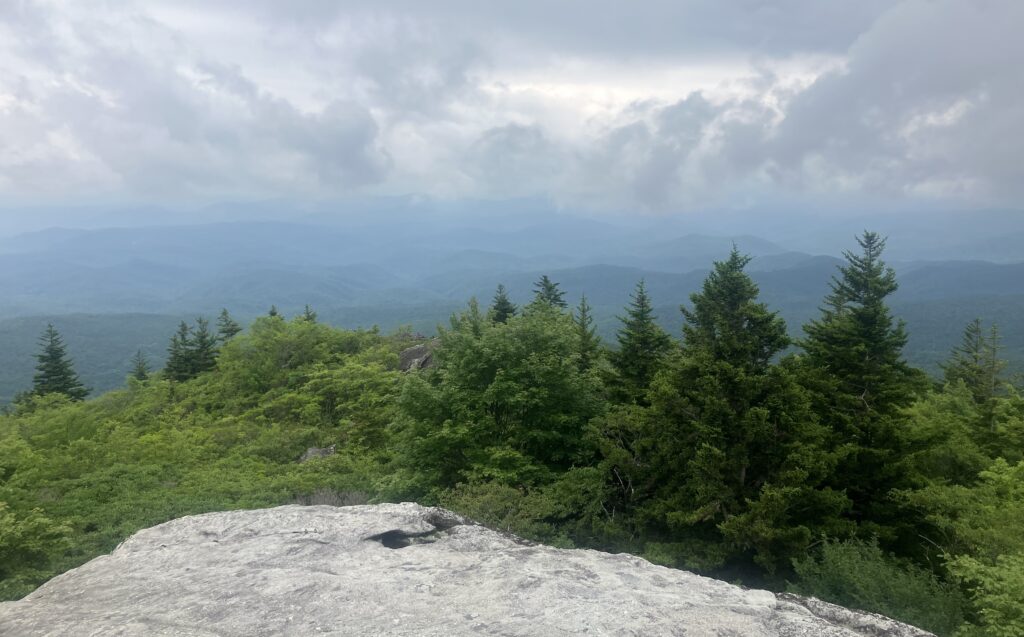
860,575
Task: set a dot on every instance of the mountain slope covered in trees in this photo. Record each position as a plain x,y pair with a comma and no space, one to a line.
825,465
936,300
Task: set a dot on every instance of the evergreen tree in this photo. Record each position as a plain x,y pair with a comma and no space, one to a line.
738,459
273,311
642,346
589,343
727,324
55,373
140,366
308,314
179,354
976,362
203,350
502,309
861,384
226,326
546,292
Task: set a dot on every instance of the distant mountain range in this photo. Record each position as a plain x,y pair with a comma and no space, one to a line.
116,290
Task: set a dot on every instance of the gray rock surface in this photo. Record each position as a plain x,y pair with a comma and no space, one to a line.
396,569
417,356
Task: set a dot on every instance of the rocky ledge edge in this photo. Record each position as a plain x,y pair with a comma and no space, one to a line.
397,569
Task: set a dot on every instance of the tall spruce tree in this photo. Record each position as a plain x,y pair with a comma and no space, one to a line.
227,327
859,380
546,292
502,309
273,311
179,354
642,347
203,350
55,373
140,366
976,362
739,459
308,314
728,324
589,343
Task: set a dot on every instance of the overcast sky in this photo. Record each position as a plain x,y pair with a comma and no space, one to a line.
595,104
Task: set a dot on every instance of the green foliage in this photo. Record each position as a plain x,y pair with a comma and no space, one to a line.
945,438
77,477
722,455
546,292
227,327
505,402
192,351
737,456
642,347
54,371
101,347
502,309
26,543
976,363
728,324
179,364
140,366
565,513
203,352
997,589
980,530
860,382
985,520
859,575
588,343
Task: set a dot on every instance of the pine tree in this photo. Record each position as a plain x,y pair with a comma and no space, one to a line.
589,342
226,326
976,362
860,382
55,373
179,354
858,341
738,454
140,366
546,292
308,314
642,346
502,309
203,350
273,311
727,324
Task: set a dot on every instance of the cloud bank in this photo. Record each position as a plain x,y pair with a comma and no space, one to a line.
598,104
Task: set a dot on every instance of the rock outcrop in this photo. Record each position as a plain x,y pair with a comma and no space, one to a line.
396,569
417,357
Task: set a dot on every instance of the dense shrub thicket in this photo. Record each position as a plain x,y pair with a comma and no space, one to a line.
826,467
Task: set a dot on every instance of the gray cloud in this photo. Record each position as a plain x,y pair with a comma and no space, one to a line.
929,103
124,99
653,105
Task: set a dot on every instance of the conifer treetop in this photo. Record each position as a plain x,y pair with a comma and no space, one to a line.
54,370
502,308
547,292
728,323
227,327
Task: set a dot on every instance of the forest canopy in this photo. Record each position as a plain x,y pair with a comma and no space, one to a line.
826,465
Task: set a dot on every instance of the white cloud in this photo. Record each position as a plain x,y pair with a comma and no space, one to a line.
652,105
